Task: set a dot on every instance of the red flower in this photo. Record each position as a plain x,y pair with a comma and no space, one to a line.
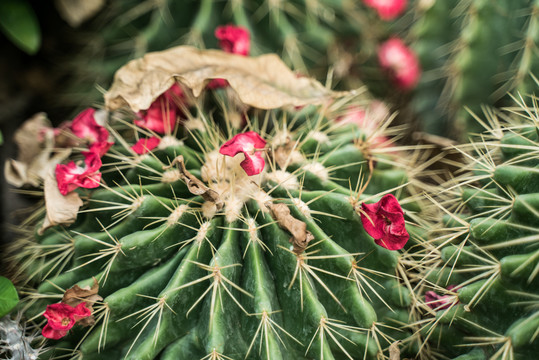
249,143
384,221
72,176
144,146
401,63
99,148
440,302
61,317
233,39
387,9
161,116
84,126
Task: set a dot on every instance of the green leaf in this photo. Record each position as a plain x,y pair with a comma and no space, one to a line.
8,296
1,138
18,22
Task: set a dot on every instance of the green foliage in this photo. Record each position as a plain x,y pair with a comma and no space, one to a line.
8,296
19,23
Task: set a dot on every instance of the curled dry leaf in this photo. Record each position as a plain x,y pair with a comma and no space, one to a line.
300,235
196,186
263,82
61,210
36,153
75,12
76,295
394,351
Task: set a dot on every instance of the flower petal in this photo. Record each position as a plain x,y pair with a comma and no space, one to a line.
144,146
50,333
253,165
233,39
84,126
384,221
71,176
387,9
400,62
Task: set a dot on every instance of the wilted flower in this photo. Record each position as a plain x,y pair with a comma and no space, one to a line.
384,221
61,317
85,127
161,115
400,62
387,9
250,144
144,146
440,302
71,176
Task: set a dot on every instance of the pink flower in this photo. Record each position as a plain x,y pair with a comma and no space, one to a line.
249,143
387,9
85,127
400,62
368,119
144,146
61,317
440,302
99,148
72,176
233,39
161,116
384,221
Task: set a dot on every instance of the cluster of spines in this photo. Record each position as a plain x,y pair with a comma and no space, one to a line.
479,282
15,342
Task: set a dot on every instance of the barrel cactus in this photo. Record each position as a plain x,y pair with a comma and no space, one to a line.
474,53
235,222
480,283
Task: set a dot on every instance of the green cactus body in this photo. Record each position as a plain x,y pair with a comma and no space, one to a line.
476,52
489,253
185,277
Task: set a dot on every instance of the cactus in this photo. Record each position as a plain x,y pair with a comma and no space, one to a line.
195,252
474,53
480,275
311,36
15,342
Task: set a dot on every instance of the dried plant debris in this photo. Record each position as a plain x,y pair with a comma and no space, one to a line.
61,210
36,153
300,235
196,186
263,82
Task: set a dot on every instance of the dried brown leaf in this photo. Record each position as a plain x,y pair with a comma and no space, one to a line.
36,153
61,210
394,351
264,82
75,12
76,295
300,235
194,185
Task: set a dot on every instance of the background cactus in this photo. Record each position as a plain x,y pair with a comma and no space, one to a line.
473,53
480,275
310,36
196,259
